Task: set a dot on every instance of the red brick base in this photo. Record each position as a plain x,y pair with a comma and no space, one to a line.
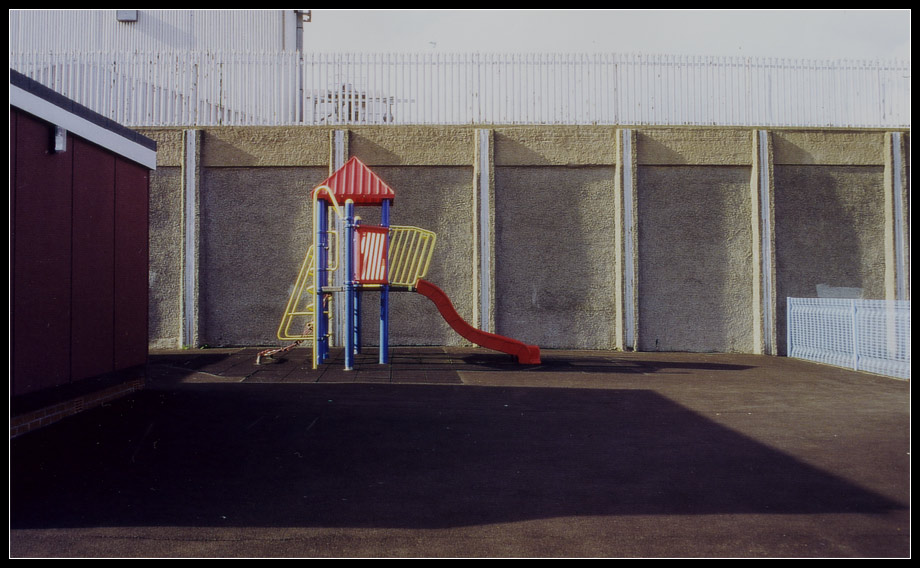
29,421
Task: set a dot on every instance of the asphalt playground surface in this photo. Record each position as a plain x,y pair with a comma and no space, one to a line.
461,453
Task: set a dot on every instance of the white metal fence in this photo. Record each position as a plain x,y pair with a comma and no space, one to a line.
175,88
285,88
866,335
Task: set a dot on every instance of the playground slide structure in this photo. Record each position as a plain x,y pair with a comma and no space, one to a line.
527,354
381,257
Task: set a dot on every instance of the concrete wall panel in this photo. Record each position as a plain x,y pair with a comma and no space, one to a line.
438,199
557,146
554,250
413,145
694,259
694,146
265,147
838,147
829,234
255,231
165,270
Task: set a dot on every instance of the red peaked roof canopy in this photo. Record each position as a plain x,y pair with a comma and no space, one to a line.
357,182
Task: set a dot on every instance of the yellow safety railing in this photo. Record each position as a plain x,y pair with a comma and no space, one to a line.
410,254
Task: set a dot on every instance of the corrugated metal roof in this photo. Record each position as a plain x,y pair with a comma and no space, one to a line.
154,31
357,182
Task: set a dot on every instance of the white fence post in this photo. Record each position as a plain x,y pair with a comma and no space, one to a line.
855,328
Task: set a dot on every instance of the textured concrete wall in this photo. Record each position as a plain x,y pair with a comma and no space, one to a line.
695,242
554,243
829,233
165,273
438,199
554,269
544,206
166,241
255,230
695,259
830,197
431,172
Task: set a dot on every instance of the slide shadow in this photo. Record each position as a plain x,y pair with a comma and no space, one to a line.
553,363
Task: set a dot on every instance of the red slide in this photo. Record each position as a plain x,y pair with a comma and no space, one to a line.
525,354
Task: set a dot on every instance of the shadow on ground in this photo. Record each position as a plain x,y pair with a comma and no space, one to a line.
401,455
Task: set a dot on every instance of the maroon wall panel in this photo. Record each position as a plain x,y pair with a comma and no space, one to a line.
131,262
78,243
13,120
93,260
41,231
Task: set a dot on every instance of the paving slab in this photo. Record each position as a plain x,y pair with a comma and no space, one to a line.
461,453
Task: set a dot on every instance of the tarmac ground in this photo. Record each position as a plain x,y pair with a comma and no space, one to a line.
461,453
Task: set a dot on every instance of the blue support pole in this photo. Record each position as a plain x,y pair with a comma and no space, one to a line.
356,316
349,277
356,313
384,357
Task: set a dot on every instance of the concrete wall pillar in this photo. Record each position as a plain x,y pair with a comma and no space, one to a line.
762,245
191,178
627,245
484,231
338,155
338,149
897,224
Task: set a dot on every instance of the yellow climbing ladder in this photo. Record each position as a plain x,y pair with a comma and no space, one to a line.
301,305
299,313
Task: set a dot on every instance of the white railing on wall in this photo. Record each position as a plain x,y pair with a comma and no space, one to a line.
174,89
284,88
866,335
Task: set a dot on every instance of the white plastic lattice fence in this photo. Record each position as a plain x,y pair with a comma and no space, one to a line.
866,335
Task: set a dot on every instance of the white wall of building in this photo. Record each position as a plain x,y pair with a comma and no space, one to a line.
155,30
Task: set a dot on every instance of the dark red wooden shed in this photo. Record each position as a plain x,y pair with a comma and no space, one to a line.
78,256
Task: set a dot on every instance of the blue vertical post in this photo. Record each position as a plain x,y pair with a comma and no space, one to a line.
320,276
356,317
349,276
385,292
356,308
